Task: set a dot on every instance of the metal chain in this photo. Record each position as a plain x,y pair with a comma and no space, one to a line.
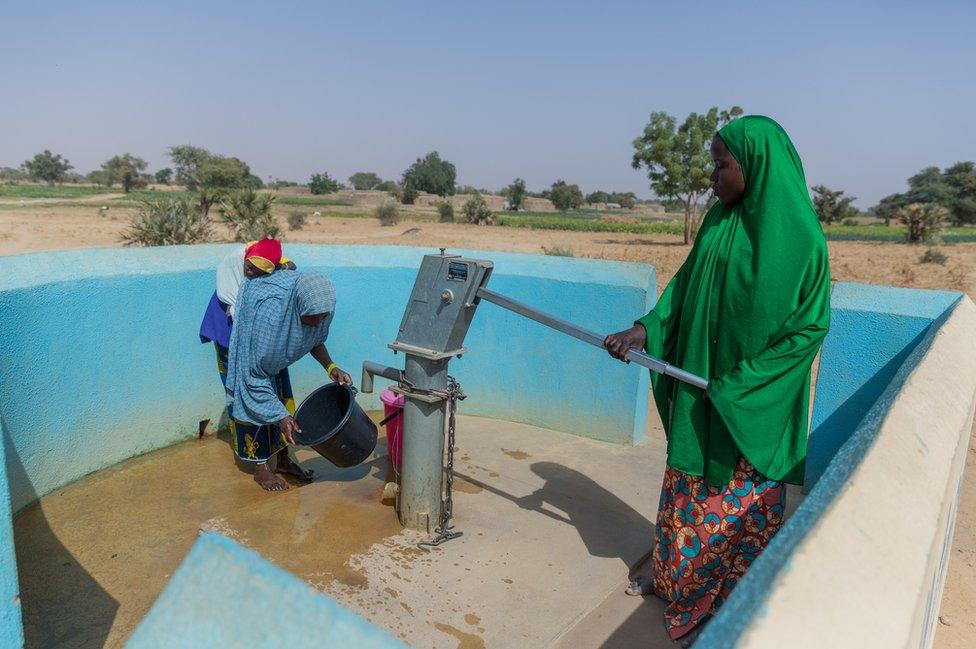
445,529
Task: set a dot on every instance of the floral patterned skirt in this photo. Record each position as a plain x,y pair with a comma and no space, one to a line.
707,537
255,443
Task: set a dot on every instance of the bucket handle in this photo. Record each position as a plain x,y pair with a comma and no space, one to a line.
399,411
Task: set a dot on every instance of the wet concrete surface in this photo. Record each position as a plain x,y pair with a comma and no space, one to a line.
552,524
93,556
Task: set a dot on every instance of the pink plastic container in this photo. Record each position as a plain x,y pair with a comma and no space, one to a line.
392,402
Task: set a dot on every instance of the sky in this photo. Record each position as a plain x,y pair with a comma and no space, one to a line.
870,92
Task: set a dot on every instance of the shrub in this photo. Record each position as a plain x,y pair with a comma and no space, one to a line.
924,220
322,184
248,213
167,222
387,214
296,220
388,186
446,212
476,211
516,194
849,222
933,256
408,195
557,251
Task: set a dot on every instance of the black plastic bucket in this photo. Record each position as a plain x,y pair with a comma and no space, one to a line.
335,426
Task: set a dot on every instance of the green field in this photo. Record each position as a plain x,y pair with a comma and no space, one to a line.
578,223
50,191
311,201
582,224
138,195
896,234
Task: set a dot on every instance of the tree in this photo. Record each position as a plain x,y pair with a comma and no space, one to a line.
516,194
953,188
363,180
164,176
431,174
186,160
388,186
11,175
626,200
322,184
98,177
598,197
564,196
47,166
832,206
207,197
124,169
221,173
678,159
960,183
887,208
196,167
927,187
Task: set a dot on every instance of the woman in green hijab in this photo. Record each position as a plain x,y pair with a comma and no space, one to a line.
748,309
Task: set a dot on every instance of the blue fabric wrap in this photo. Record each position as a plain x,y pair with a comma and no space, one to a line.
216,325
268,336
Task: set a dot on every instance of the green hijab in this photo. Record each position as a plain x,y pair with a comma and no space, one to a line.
748,309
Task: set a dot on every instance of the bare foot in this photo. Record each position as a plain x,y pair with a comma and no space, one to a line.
640,586
288,466
268,480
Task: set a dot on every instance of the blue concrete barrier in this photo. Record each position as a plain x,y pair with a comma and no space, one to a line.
873,330
221,589
102,359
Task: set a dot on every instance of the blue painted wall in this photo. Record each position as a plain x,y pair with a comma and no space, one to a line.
102,360
11,630
873,329
221,591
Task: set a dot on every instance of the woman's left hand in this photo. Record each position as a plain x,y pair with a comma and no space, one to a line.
340,377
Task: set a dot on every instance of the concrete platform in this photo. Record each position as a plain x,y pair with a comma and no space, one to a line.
551,524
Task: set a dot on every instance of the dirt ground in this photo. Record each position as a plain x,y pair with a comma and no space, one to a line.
40,226
51,226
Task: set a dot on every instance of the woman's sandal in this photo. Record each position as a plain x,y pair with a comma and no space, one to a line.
390,492
640,587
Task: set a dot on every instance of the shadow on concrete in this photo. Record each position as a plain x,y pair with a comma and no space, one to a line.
55,591
598,515
643,628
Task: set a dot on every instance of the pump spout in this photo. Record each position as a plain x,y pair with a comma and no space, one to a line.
371,369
